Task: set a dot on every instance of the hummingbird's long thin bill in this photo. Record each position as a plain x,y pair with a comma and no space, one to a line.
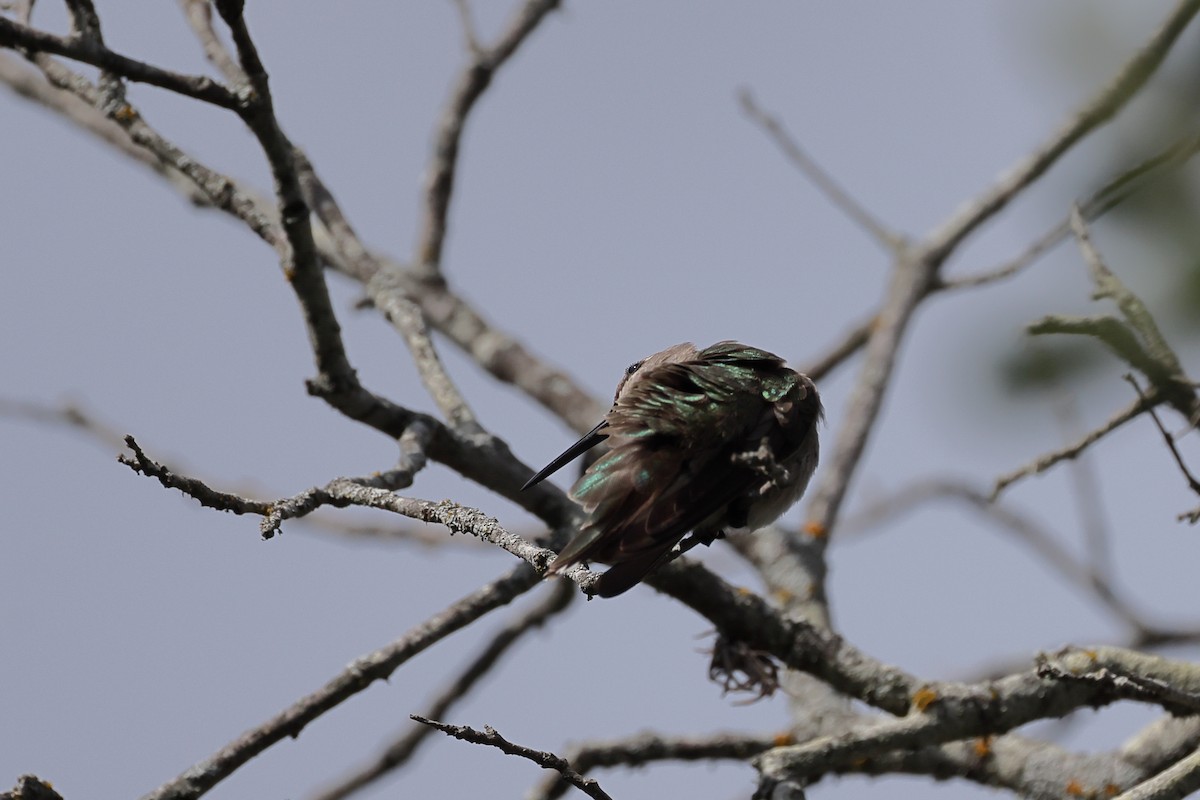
589,440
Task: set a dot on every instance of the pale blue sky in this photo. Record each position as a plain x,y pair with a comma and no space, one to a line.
612,200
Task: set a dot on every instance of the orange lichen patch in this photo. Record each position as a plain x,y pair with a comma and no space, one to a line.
783,739
815,529
1111,790
982,746
125,113
742,591
783,596
1075,789
923,698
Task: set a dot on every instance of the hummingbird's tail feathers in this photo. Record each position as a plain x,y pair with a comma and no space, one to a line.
623,576
578,549
589,440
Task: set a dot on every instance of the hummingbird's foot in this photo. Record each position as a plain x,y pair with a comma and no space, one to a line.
763,460
737,667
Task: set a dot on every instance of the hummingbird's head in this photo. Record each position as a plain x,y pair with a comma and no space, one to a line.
672,355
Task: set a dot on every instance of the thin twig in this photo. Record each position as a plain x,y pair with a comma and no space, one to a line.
479,457
470,36
342,491
69,414
85,24
1045,462
1103,106
1105,199
1160,744
407,318
1027,530
199,17
913,276
203,185
543,758
399,752
1136,339
376,491
378,665
472,81
1193,484
207,496
15,35
336,381
850,344
886,238
1177,781
495,351
1114,192
1089,500
648,748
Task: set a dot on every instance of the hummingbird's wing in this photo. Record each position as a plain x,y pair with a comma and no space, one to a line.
629,514
677,429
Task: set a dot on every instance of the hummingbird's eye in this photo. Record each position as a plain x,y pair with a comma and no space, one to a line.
632,368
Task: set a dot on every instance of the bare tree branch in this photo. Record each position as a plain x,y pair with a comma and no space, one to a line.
336,381
1178,781
69,414
890,241
1160,744
546,760
1089,499
946,712
347,491
204,775
1096,584
1136,339
472,81
1045,462
470,35
1192,482
199,17
399,752
407,318
31,787
850,344
914,275
1114,192
86,49
647,748
1174,685
210,498
495,351
376,491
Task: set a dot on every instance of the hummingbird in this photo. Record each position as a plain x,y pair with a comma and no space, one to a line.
703,442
